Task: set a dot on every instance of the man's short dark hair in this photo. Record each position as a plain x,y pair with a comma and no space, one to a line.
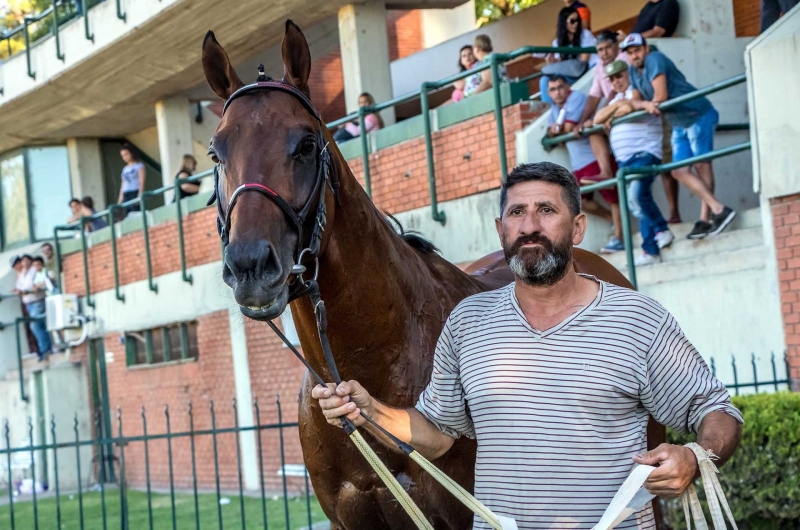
74,200
606,36
38,259
556,78
544,172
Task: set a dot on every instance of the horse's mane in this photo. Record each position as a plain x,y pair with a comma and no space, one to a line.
414,239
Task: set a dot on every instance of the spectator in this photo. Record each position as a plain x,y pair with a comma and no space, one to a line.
466,60
480,81
372,121
41,281
583,11
772,10
187,169
133,175
694,122
88,210
564,115
658,18
21,264
637,144
50,262
33,299
569,33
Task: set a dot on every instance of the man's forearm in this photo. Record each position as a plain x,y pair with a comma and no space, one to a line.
411,427
719,432
589,108
654,33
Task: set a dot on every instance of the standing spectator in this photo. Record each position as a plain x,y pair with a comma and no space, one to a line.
570,33
466,60
33,299
583,11
480,81
187,169
21,264
772,10
50,262
637,144
564,115
41,281
694,122
133,175
88,210
658,18
351,130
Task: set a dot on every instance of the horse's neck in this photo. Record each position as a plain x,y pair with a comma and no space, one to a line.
375,288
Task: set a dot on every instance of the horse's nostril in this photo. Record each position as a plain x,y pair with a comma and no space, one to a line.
252,261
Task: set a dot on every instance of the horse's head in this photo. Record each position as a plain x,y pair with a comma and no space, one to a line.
269,141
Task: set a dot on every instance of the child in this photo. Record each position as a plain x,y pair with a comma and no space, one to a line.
41,281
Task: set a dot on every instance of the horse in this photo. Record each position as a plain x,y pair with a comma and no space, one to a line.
387,294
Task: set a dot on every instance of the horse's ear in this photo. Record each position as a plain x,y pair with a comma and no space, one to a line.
221,76
296,57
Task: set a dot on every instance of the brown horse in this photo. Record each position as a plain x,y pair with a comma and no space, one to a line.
387,296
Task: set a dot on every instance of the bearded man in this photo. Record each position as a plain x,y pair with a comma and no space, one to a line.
555,376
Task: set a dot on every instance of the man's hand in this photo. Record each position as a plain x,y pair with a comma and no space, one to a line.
677,468
550,58
348,399
651,107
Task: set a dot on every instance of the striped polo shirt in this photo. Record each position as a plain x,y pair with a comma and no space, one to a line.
558,414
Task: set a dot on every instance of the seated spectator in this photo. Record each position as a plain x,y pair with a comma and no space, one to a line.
658,18
772,10
657,79
188,166
351,130
637,144
33,298
88,207
583,11
481,81
466,60
570,33
564,115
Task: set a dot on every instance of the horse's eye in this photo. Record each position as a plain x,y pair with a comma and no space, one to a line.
307,147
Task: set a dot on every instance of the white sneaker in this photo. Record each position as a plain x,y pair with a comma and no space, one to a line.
646,259
664,239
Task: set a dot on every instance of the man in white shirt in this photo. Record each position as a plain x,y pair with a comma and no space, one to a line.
637,144
33,298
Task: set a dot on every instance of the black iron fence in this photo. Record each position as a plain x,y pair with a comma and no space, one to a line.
115,500
775,383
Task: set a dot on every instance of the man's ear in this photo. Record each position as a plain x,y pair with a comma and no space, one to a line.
579,229
498,224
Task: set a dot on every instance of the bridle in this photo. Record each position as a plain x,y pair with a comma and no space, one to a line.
324,177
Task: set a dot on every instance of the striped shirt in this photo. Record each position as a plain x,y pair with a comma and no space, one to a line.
558,414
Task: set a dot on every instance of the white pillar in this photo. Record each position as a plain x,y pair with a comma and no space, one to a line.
174,135
244,399
364,45
86,170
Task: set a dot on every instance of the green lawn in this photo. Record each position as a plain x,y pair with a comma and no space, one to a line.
162,512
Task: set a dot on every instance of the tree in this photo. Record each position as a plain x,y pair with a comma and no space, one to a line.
13,16
490,10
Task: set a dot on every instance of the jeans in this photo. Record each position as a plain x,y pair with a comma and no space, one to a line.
543,86
39,327
342,135
695,140
129,196
642,205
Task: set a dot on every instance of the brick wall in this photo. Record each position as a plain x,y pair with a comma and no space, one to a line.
404,29
747,17
786,222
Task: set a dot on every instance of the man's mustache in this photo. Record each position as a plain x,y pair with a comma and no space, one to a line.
531,238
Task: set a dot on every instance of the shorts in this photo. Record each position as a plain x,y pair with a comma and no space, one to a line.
590,173
697,139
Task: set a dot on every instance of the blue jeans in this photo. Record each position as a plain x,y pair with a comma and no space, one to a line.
697,139
543,86
642,205
39,327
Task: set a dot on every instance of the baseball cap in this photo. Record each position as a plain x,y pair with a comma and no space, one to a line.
14,260
634,39
615,67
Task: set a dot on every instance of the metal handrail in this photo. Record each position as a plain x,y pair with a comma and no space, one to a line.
630,174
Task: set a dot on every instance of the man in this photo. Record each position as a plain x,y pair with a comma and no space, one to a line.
565,114
50,262
555,375
637,144
658,18
481,81
694,123
772,10
33,300
583,11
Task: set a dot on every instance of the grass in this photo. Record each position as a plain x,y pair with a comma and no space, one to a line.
162,512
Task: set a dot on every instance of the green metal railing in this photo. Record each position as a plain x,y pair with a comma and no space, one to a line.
18,336
496,60
108,214
96,508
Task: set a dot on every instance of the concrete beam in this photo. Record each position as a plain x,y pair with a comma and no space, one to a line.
174,135
86,170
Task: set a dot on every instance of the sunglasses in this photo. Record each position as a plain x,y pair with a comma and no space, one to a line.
572,21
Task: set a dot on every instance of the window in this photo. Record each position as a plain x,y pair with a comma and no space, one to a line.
175,342
50,189
14,197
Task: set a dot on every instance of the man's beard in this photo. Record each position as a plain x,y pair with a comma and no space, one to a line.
544,265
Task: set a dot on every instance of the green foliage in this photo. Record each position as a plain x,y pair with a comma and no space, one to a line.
490,10
15,13
762,479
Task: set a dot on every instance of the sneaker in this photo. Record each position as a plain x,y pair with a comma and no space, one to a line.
646,259
720,221
613,245
700,230
664,239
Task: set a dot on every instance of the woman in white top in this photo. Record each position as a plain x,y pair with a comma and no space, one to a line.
133,175
569,33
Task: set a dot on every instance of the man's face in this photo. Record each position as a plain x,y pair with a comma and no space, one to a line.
38,265
637,54
537,232
26,263
47,251
558,91
607,51
18,266
620,82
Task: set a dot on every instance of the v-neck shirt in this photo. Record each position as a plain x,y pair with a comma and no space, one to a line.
559,413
